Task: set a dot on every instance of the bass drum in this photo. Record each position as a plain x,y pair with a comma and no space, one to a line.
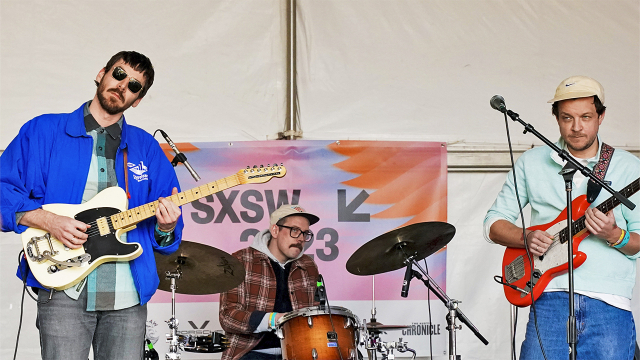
319,333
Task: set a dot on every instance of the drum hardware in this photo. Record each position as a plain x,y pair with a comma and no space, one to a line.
406,246
172,338
213,343
387,348
204,270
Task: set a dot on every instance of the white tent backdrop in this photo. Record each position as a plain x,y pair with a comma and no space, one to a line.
376,69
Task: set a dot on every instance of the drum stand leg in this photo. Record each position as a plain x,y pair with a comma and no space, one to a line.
174,349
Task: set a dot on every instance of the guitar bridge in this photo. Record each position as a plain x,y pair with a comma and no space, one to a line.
33,250
515,270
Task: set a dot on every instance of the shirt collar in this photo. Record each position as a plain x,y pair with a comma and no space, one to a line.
90,123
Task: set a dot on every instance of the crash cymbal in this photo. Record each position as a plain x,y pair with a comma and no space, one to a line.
387,252
205,269
378,327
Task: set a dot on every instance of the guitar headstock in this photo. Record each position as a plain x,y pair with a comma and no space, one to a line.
261,174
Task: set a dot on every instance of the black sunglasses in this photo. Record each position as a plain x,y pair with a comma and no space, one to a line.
295,233
119,74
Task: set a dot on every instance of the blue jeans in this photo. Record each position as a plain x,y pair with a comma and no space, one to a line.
67,330
604,332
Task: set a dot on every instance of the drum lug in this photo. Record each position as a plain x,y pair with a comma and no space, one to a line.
314,354
310,322
280,333
347,322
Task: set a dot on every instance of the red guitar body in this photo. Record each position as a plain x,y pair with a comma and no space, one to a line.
516,269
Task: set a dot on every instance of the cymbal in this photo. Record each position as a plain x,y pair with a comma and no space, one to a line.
378,327
387,252
205,269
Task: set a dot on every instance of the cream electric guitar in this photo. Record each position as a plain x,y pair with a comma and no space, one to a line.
57,267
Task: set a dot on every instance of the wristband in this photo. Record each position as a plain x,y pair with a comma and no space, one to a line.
624,241
272,320
164,233
622,233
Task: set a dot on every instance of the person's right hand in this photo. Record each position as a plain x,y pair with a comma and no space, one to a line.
69,231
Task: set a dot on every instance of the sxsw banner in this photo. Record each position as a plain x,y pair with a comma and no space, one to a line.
359,189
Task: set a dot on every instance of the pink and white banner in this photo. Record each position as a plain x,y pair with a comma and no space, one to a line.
359,189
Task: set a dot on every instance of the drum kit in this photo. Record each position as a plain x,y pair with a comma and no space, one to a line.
320,332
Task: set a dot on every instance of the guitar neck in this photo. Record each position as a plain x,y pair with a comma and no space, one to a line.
605,207
142,212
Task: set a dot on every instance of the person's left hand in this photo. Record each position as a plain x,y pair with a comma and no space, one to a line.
602,225
167,213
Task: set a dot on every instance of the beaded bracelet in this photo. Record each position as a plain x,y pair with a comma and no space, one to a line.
624,241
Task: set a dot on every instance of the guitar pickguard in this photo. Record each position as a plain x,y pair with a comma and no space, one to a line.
100,242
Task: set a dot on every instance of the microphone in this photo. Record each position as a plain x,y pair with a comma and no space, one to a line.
321,293
408,275
180,157
497,102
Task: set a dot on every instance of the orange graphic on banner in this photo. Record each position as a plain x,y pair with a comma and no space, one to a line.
183,147
407,176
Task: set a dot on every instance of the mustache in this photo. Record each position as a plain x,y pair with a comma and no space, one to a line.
119,93
299,246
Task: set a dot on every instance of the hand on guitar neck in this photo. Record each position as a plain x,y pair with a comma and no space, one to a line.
604,227
167,213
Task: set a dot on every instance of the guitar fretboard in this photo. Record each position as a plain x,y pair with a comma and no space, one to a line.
605,207
142,212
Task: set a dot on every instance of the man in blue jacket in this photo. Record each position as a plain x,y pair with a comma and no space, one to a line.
68,159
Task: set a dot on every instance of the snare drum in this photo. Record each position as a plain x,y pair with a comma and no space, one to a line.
308,334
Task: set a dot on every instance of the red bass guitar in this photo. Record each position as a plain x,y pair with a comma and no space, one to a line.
516,270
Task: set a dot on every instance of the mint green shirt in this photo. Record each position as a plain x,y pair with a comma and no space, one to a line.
606,270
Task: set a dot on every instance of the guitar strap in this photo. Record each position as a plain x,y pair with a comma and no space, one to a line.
600,170
126,174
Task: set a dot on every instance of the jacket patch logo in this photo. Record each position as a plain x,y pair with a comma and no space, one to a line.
139,171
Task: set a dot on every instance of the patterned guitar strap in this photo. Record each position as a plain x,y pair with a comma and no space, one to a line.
600,170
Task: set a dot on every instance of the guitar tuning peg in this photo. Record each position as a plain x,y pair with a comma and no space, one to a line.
261,165
255,166
248,167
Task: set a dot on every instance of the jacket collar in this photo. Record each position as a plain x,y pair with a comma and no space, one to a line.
76,127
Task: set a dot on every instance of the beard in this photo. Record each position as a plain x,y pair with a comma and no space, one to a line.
586,146
110,105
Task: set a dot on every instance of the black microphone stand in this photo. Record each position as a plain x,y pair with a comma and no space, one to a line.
452,306
567,173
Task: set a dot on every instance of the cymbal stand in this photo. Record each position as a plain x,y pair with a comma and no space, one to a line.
452,306
372,338
172,339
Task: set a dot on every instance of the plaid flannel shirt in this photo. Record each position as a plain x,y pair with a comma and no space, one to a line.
257,293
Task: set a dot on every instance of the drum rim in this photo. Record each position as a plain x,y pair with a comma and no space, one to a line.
315,310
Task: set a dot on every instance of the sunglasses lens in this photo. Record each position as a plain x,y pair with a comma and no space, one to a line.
134,86
119,74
